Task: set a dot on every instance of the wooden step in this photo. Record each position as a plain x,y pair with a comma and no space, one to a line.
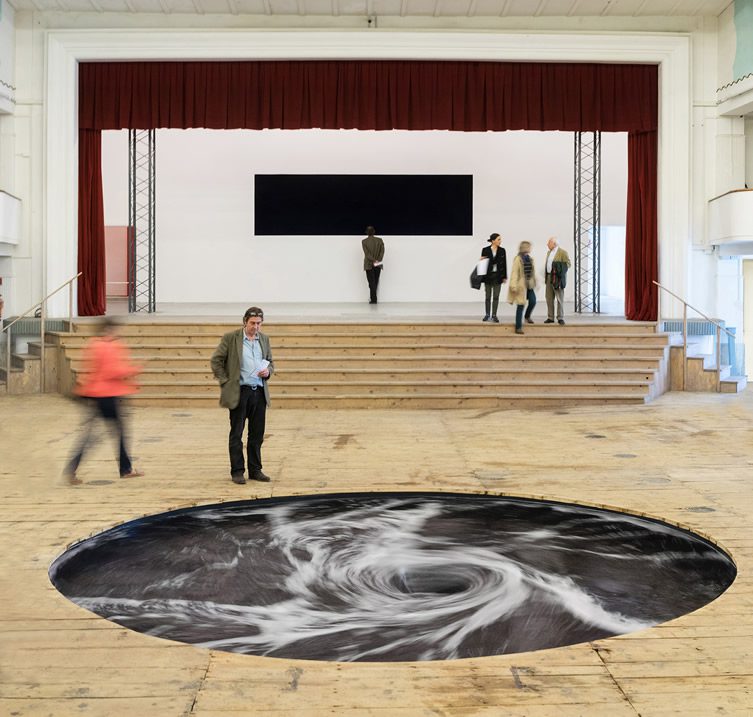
413,401
313,375
541,337
405,363
733,384
279,329
387,388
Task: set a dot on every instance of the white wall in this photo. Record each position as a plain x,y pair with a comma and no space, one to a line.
7,59
727,46
206,249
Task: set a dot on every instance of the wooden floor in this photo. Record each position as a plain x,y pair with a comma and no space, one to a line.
686,458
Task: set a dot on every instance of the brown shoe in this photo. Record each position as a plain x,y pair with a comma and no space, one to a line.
133,473
258,475
237,478
72,480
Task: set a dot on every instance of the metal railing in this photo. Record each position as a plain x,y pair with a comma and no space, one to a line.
43,318
717,339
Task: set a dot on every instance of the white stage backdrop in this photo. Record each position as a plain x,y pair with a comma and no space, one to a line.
207,251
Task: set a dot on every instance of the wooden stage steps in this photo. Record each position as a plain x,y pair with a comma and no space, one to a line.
401,365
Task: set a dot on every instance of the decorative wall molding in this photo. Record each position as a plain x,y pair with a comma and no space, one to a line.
736,98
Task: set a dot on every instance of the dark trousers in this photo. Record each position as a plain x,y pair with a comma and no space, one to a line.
372,276
531,298
107,408
252,408
492,299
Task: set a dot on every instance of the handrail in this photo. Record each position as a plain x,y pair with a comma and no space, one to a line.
43,305
719,329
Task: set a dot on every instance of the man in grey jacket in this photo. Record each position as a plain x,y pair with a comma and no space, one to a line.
242,363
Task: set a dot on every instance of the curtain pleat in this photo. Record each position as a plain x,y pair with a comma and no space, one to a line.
641,261
91,224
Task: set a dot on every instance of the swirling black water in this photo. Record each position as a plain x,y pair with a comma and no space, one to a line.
391,577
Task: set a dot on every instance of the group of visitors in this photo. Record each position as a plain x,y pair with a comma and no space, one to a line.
522,283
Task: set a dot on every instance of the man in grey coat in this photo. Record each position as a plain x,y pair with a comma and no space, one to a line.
242,363
373,253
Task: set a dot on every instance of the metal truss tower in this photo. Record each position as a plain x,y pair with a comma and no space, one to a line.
587,228
141,204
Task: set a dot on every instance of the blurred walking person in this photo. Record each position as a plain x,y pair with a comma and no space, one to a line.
109,375
521,289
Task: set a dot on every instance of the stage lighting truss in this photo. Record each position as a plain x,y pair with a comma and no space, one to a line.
587,226
141,215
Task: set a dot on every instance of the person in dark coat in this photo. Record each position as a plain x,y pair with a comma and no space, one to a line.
373,254
496,275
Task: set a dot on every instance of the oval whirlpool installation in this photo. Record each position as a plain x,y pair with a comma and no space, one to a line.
391,576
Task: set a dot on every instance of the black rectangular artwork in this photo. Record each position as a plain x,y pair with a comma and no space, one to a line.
345,204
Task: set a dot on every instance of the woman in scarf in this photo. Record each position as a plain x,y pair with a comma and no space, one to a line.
521,286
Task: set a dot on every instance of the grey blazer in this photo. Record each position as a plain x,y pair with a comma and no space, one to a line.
226,366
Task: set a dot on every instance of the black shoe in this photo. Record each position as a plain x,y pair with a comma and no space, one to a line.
237,478
529,321
487,318
495,319
561,322
258,475
549,321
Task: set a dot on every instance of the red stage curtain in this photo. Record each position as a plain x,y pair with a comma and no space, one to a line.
641,265
91,224
382,95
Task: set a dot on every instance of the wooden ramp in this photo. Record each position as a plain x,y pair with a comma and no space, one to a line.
403,365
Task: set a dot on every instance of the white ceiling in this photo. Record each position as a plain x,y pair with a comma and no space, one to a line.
391,8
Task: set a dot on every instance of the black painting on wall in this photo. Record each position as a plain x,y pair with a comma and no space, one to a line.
345,204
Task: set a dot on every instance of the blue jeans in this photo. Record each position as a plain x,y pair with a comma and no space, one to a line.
531,298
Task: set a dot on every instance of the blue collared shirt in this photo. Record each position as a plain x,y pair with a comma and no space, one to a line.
251,362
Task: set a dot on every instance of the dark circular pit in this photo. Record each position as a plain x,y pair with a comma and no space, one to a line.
391,576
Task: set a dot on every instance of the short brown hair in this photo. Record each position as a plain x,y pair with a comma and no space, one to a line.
253,311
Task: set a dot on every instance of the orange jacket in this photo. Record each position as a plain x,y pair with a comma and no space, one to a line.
109,371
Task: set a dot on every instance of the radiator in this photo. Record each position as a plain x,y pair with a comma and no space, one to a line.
696,327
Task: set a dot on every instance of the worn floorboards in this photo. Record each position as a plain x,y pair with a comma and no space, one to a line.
685,458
